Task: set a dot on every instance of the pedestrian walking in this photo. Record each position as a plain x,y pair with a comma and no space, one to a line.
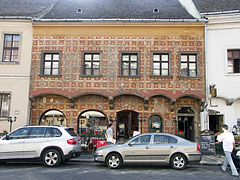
228,141
109,134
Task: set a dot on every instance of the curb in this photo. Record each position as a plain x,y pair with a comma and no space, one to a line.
200,163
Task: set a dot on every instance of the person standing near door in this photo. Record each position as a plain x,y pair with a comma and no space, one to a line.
228,141
109,134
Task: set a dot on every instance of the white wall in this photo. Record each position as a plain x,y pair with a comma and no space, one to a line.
15,78
223,33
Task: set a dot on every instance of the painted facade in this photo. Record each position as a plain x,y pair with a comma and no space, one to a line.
172,98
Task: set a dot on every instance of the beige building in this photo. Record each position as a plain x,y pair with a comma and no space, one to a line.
15,59
15,54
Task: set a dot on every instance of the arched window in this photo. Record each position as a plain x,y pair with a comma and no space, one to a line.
92,122
155,123
53,117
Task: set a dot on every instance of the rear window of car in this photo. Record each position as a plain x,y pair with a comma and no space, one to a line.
71,132
56,133
163,139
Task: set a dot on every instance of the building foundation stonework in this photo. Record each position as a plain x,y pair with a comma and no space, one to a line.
144,102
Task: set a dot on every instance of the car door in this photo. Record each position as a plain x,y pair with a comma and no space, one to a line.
38,136
138,149
162,147
11,146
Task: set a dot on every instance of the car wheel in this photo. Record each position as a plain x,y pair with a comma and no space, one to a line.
51,158
114,161
178,161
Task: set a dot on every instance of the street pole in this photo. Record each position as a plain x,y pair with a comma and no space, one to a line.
11,120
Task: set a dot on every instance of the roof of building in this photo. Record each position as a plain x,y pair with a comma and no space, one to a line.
24,8
117,9
211,6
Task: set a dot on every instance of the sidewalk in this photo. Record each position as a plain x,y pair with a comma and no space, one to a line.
207,160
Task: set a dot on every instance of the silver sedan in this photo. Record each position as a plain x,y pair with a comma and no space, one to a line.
150,148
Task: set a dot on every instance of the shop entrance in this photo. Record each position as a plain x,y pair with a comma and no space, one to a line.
186,123
127,123
215,123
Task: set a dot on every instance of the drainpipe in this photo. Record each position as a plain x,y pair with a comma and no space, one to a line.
206,117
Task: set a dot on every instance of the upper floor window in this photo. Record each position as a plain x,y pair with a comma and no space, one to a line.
50,65
160,64
4,105
91,63
129,64
188,65
233,61
11,48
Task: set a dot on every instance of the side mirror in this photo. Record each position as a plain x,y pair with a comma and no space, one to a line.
130,144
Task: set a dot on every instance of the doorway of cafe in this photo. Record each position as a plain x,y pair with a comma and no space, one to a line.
127,123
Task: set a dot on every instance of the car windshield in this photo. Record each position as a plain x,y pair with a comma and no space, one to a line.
71,132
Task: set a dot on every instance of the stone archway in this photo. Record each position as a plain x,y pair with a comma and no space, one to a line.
53,117
127,123
92,121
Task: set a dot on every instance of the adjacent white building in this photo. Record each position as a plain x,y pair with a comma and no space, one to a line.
222,62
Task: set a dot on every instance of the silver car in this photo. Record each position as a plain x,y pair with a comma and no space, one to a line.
150,148
49,144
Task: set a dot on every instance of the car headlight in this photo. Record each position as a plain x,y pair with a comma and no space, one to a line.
99,152
238,153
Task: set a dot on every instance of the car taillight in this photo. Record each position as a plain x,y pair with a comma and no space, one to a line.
198,147
72,141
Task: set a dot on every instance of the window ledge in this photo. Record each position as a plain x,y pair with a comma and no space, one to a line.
233,74
55,76
90,76
154,76
189,77
120,76
10,63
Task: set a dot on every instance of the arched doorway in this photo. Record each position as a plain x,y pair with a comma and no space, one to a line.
92,122
127,123
155,124
53,117
186,122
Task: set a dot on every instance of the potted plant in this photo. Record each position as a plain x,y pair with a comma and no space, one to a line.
180,134
4,132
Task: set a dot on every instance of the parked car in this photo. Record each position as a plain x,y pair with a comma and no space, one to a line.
150,148
48,144
236,157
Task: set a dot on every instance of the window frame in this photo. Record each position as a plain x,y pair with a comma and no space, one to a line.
232,59
83,74
10,48
150,120
9,95
166,136
197,63
121,54
25,137
131,142
160,63
42,65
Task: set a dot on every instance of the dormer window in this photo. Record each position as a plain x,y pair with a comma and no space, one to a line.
155,10
79,10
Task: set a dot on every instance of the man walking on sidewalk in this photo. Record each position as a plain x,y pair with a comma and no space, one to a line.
228,141
109,134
